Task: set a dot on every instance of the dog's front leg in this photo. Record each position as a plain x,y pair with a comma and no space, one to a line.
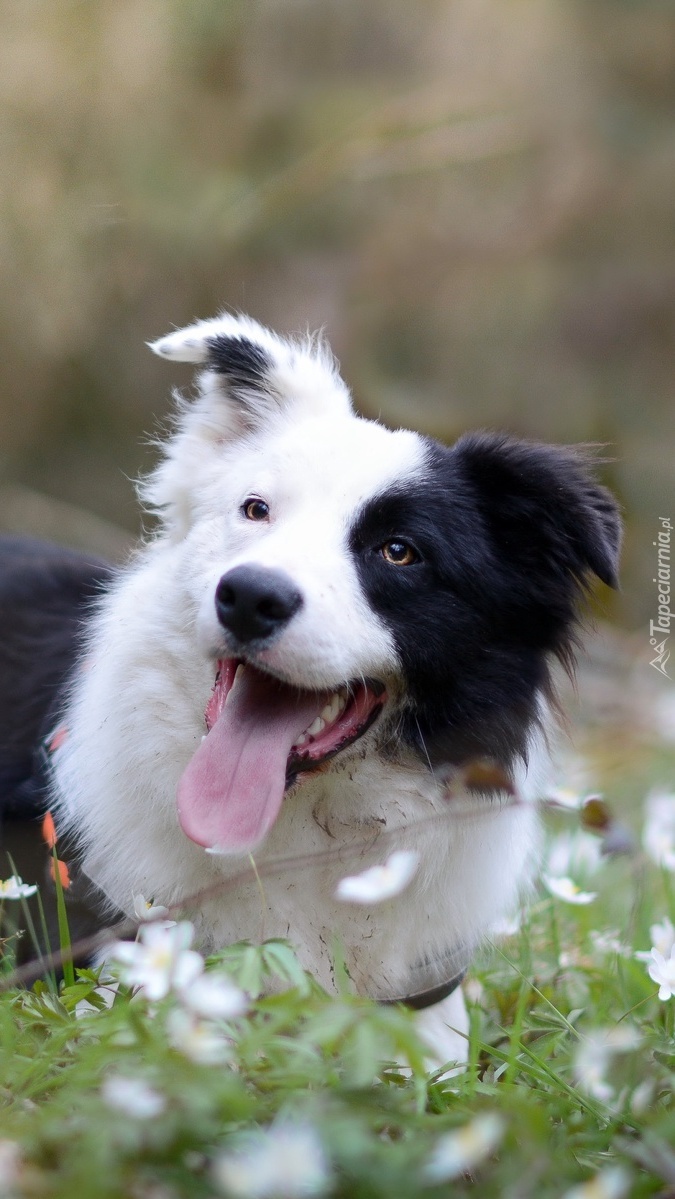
445,1029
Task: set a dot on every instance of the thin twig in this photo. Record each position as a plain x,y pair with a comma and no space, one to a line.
96,942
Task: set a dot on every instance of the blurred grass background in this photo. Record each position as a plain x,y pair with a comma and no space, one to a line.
473,197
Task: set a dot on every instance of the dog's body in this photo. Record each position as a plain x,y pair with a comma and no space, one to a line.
395,605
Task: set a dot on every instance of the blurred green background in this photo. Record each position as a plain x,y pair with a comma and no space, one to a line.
475,198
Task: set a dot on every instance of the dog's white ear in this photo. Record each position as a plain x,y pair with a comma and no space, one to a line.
251,374
249,378
197,343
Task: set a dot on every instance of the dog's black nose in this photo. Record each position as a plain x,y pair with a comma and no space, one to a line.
253,603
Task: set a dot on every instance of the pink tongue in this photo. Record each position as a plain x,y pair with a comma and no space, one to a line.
230,793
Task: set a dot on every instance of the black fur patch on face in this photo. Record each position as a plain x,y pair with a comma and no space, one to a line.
243,364
506,535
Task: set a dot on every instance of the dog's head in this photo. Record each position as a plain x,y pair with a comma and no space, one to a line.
357,587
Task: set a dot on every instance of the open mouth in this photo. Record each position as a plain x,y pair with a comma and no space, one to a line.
262,734
344,715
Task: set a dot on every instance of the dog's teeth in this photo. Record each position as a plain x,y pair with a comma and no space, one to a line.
238,672
317,726
335,705
302,740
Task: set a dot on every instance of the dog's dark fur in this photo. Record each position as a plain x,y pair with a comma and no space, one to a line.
45,593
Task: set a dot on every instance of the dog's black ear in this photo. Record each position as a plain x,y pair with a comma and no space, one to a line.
542,508
243,365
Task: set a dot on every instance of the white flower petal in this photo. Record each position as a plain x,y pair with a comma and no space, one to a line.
474,991
594,1055
287,1159
464,1148
507,926
567,890
380,882
167,934
133,1097
160,960
214,997
622,1038
663,936
642,1096
189,965
661,970
15,888
198,1040
564,797
663,940
612,1183
608,941
145,909
126,952
577,854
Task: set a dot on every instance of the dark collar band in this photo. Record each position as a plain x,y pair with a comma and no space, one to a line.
428,998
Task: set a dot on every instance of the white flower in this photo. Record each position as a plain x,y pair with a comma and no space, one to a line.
214,997
572,959
609,942
572,857
577,854
15,888
663,939
380,882
658,835
464,1148
642,1097
663,936
608,1184
146,909
288,1160
564,797
160,960
662,970
507,926
622,1037
199,1040
565,888
474,991
591,1062
132,1096
594,1055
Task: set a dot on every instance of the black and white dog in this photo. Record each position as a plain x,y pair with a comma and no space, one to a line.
332,619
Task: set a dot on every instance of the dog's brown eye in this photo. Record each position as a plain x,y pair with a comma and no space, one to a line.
399,553
255,509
